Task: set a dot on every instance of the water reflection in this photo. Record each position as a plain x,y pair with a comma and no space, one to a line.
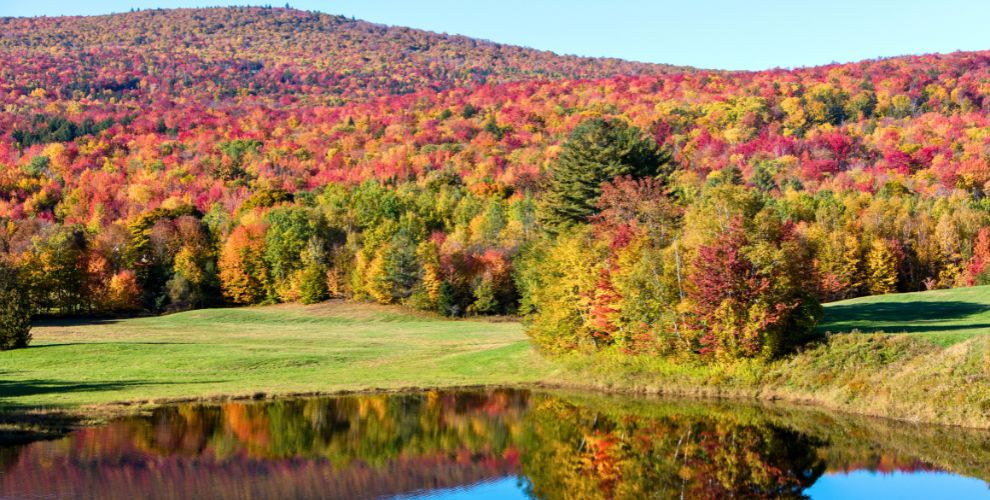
495,444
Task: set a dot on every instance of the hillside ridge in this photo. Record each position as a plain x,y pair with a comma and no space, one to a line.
258,40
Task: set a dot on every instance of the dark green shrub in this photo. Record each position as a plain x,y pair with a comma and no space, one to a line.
15,311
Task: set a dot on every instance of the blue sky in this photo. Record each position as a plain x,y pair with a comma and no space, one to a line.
755,34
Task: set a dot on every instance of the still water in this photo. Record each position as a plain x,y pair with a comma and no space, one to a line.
498,444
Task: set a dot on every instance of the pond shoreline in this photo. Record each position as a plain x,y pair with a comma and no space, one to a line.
33,424
380,443
78,374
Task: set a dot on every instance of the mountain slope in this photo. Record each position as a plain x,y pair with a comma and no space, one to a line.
266,51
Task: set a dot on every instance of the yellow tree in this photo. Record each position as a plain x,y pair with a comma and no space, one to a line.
244,276
432,281
881,268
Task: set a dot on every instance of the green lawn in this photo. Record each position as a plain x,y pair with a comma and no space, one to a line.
945,317
272,350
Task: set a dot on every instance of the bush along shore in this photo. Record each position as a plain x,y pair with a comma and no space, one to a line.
891,376
918,357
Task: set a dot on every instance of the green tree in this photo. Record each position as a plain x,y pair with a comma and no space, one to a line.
426,294
827,104
298,238
265,198
56,270
447,300
862,105
371,203
194,282
557,282
312,278
762,177
597,151
484,298
393,271
15,310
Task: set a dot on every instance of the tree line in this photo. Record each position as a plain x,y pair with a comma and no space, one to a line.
619,249
691,212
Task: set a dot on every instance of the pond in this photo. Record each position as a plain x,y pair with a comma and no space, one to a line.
498,444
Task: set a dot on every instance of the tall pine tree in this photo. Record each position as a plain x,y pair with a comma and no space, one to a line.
597,151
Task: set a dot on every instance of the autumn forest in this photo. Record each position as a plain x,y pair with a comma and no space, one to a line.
161,161
254,252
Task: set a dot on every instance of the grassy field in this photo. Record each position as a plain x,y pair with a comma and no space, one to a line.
272,350
937,371
944,317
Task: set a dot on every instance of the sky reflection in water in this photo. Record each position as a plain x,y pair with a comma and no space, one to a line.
860,484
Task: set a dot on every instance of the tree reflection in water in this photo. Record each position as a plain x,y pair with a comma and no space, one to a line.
573,446
587,454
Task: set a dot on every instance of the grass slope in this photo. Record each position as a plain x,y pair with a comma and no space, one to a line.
944,317
931,364
894,376
275,350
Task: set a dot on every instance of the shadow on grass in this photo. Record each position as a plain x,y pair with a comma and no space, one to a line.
21,423
98,343
19,388
74,321
914,316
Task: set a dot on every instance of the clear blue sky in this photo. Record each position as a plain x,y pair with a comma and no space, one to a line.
726,34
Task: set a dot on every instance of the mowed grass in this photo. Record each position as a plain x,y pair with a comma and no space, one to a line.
272,350
945,317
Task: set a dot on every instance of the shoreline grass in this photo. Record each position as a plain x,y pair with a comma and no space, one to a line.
895,377
917,357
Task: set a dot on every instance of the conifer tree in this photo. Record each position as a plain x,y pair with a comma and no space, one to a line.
597,151
312,278
15,311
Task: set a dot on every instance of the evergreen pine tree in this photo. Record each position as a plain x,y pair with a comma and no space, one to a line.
597,151
15,311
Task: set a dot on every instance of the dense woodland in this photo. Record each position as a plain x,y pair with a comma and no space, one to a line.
165,160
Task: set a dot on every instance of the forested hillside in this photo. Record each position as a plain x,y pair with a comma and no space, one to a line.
275,56
167,160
